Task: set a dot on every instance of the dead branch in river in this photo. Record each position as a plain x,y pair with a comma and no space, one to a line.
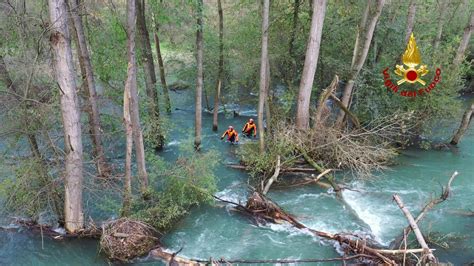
263,210
444,196
427,253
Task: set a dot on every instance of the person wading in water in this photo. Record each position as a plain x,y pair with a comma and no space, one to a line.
250,129
231,134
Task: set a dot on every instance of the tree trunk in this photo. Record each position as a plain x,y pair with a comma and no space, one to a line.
220,73
263,73
268,101
410,19
65,76
392,16
439,30
131,85
363,44
465,41
199,79
149,70
360,29
90,89
466,120
310,64
161,66
296,10
127,191
34,146
215,115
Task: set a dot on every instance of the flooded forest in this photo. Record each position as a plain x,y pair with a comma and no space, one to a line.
246,132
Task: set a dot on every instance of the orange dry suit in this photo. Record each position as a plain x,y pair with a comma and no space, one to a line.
232,135
248,128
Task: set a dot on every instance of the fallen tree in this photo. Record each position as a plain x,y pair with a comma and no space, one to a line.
262,210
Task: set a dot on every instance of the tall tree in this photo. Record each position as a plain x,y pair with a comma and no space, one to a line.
466,37
65,76
439,29
220,73
149,70
199,78
161,65
263,74
127,100
361,49
310,64
127,193
90,89
410,20
132,89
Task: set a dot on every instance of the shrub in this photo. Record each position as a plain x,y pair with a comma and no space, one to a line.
189,182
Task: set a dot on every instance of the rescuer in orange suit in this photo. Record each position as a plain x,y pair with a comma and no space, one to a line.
231,134
250,129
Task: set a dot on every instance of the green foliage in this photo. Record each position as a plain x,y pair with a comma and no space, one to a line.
372,99
108,40
187,183
263,164
31,191
154,133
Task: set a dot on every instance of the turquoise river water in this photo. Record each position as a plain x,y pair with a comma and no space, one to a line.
218,232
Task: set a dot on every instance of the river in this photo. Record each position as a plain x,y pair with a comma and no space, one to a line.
215,231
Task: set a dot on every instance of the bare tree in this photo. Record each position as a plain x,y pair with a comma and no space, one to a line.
310,64
199,78
361,49
90,89
131,86
161,65
410,19
466,37
65,76
263,73
220,73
